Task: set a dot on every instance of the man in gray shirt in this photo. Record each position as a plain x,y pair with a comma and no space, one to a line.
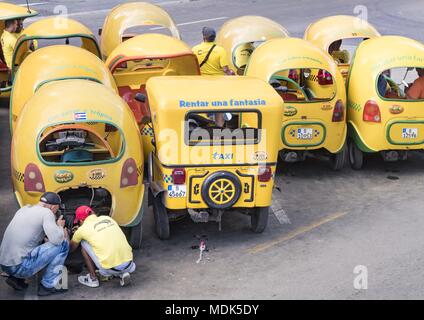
22,251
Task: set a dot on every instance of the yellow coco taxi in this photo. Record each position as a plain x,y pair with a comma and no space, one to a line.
385,99
9,11
126,20
55,63
138,59
48,32
314,93
240,36
79,139
215,148
340,36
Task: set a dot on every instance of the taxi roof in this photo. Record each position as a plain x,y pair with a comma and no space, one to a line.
56,28
388,52
129,15
248,29
327,30
12,11
150,45
289,53
55,63
251,91
96,101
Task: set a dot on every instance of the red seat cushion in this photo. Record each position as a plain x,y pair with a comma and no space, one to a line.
288,96
140,110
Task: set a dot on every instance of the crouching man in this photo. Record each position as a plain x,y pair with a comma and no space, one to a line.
103,246
23,253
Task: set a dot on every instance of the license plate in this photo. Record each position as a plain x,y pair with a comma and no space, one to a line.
409,133
305,133
177,191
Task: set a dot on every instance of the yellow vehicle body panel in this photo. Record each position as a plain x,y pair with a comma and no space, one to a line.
55,104
53,28
146,56
242,30
276,55
329,29
169,110
55,63
129,15
373,57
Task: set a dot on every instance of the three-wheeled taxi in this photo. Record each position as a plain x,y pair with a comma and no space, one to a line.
385,101
79,139
340,36
55,63
215,148
9,11
138,59
48,31
125,20
240,36
314,93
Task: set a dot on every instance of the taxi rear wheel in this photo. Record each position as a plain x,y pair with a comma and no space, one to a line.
221,190
356,156
161,218
339,159
259,219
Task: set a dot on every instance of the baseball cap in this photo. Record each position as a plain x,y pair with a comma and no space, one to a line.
209,33
82,213
50,198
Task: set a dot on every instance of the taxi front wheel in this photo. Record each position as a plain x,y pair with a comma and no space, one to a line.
135,235
356,156
161,217
259,219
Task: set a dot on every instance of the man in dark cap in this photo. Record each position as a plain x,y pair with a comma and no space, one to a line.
22,251
212,58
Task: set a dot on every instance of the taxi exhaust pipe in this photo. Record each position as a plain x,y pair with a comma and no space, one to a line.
203,216
292,156
393,155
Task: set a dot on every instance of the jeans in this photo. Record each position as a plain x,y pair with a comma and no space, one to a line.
120,270
47,255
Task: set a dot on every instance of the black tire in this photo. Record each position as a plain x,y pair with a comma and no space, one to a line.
161,217
338,160
259,219
356,156
221,175
135,235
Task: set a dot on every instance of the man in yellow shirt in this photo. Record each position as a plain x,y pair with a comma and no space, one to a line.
212,58
8,41
103,246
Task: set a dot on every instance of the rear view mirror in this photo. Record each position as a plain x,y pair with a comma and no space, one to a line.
410,68
140,97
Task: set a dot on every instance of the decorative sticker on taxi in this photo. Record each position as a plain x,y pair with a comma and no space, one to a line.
97,174
63,176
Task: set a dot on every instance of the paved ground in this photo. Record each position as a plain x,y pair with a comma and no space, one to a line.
333,223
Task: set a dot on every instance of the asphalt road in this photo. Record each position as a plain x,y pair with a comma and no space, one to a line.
332,222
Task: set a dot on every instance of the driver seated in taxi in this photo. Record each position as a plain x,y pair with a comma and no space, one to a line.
340,56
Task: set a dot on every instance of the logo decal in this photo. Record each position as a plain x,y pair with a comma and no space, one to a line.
290,111
260,156
396,109
63,176
96,174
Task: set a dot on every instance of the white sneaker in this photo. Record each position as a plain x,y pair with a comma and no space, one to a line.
87,281
125,279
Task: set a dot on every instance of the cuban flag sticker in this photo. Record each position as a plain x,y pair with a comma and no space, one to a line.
80,116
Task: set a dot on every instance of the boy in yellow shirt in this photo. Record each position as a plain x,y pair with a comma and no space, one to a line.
8,41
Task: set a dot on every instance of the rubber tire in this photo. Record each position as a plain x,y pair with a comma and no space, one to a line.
259,219
338,160
218,175
135,236
160,215
356,156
